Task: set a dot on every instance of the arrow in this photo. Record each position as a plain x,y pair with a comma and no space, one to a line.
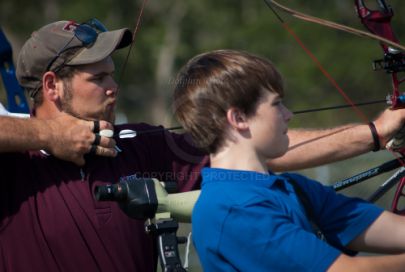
129,133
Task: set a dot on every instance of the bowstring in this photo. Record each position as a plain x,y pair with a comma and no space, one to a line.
314,59
136,28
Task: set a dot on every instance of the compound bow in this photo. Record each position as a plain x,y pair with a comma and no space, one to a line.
378,23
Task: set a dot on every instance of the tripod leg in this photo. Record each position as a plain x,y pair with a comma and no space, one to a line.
167,242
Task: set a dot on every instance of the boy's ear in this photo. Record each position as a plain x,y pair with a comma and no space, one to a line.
237,119
51,86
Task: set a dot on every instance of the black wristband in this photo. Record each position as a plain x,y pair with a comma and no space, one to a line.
376,137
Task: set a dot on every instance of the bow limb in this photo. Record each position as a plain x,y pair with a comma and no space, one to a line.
330,24
16,101
377,21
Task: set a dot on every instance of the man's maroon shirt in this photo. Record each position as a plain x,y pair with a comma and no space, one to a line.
50,221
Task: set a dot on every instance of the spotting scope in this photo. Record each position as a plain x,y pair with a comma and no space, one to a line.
145,198
148,199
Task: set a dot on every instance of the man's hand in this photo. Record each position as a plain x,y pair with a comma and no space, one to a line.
69,138
389,123
65,137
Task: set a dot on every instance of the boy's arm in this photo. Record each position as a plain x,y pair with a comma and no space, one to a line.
391,263
309,148
385,235
65,137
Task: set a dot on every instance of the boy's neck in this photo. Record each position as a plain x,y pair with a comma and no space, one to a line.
239,157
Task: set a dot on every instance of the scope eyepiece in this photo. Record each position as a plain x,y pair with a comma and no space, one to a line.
137,197
113,192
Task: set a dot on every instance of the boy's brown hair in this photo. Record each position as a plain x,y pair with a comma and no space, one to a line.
211,83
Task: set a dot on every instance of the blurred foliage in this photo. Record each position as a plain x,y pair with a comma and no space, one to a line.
173,31
208,25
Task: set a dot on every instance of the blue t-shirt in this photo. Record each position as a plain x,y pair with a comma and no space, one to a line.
248,221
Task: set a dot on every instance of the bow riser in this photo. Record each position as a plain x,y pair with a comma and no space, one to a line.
378,22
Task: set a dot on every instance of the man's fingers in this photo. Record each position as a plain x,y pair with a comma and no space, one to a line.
99,125
93,150
96,126
97,139
103,146
107,142
71,138
106,152
102,151
105,125
107,133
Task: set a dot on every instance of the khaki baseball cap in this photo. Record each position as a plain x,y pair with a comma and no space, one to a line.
66,43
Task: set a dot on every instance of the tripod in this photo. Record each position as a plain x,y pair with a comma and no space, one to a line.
167,243
138,198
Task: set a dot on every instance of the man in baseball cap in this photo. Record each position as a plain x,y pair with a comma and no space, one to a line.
51,67
49,219
66,43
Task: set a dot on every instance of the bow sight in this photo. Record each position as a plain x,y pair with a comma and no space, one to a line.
393,61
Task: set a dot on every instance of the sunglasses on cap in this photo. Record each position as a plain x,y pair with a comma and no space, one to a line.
86,32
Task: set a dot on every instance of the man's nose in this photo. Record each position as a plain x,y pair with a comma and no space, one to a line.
112,89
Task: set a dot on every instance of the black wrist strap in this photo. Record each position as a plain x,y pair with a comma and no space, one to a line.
376,138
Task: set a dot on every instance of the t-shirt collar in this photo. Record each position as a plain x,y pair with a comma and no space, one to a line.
227,175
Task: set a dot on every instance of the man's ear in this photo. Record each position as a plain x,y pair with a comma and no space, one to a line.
237,119
51,86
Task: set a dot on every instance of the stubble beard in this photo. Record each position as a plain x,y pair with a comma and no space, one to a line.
66,105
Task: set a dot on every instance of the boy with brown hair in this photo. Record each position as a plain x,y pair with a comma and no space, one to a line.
249,219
